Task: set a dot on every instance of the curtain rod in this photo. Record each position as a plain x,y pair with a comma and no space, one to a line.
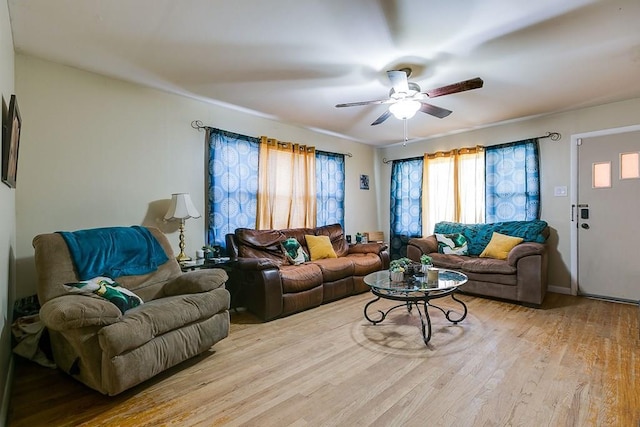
554,136
198,125
387,161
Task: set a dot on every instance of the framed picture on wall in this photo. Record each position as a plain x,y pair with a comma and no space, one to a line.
364,182
11,143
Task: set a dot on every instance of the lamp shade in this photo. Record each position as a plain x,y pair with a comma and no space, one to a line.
181,207
404,109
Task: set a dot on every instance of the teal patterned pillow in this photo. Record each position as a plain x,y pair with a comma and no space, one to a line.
454,243
106,288
293,251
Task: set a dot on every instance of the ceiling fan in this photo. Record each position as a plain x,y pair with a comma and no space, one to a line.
406,98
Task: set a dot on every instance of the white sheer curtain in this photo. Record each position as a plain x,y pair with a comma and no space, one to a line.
453,187
471,185
438,194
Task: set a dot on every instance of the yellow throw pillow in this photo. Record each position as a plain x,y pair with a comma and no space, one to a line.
319,247
499,246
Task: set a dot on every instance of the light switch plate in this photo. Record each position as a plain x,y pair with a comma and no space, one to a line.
560,191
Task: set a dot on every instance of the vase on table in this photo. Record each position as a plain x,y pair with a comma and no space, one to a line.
396,276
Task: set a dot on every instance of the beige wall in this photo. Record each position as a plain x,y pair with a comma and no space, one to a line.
101,152
554,165
7,221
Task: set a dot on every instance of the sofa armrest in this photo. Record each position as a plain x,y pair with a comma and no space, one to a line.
418,246
367,248
197,281
255,264
525,249
77,311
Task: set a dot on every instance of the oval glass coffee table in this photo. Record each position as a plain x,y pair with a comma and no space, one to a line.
415,291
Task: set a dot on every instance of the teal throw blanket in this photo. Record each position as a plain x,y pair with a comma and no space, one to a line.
114,251
479,235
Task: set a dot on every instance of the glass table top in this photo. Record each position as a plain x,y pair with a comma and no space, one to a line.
447,280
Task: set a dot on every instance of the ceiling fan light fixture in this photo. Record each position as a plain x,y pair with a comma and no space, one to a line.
404,109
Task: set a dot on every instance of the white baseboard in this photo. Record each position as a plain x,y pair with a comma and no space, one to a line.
6,395
559,290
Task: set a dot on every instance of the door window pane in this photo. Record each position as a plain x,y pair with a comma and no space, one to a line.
601,175
629,165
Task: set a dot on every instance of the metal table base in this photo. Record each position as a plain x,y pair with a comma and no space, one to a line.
409,301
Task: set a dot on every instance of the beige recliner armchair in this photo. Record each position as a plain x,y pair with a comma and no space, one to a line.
182,315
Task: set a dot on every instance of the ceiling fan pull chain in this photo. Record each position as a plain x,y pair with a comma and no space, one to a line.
406,137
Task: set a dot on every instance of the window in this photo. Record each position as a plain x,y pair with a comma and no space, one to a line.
232,185
601,175
454,187
468,185
629,165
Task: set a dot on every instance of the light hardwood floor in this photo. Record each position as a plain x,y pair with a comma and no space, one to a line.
575,362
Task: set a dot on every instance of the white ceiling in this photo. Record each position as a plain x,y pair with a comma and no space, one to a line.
293,60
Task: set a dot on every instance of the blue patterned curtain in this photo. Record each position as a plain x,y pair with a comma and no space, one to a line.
233,184
329,188
406,204
512,181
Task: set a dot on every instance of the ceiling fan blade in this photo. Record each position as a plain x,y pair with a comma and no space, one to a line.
438,112
382,118
376,102
398,81
455,88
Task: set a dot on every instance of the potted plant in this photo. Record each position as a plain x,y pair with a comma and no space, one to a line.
425,263
407,265
358,237
396,271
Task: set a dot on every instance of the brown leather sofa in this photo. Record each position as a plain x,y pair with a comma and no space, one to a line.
271,287
521,278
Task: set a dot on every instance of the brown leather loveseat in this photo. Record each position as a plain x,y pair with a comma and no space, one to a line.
271,287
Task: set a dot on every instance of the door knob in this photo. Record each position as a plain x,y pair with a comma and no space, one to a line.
585,226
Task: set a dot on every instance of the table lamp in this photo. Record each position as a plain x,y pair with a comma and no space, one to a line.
181,208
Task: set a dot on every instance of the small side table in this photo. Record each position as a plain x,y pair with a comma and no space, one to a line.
204,263
226,264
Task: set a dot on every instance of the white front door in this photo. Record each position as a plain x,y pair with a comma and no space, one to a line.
607,216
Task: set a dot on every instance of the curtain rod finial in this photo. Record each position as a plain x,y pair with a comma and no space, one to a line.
197,124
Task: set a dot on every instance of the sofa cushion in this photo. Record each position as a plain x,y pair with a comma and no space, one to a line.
293,251
454,262
157,317
297,278
364,263
336,235
454,243
320,247
499,246
487,266
335,268
260,244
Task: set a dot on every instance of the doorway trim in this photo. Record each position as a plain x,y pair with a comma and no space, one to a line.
575,141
